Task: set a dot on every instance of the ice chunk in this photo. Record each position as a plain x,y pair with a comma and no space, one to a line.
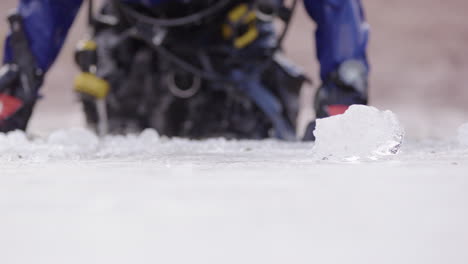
463,135
362,132
149,136
13,138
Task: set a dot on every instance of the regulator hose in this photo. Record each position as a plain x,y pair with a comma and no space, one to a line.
172,22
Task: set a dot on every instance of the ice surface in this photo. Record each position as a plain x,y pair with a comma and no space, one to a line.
362,132
463,135
73,198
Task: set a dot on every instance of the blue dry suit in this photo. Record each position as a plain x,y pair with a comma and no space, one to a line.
342,32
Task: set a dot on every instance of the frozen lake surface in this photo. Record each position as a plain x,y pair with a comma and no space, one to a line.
73,198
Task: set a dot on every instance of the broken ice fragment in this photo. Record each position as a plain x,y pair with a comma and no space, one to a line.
362,131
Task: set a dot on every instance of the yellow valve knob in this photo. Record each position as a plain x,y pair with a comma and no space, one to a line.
87,45
90,84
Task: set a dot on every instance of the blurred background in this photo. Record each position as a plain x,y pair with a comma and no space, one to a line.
418,54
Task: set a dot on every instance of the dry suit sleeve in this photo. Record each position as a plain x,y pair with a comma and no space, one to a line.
46,23
342,32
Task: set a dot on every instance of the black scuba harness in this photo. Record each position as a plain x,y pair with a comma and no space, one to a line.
153,32
283,12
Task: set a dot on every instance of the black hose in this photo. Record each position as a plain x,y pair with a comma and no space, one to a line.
173,22
91,13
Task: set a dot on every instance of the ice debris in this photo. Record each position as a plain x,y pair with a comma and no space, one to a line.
362,132
73,144
74,140
463,135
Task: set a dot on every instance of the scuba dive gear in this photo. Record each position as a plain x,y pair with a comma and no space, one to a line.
88,84
241,27
46,25
192,80
19,80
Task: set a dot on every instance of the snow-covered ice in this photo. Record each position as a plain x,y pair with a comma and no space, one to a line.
72,198
362,132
